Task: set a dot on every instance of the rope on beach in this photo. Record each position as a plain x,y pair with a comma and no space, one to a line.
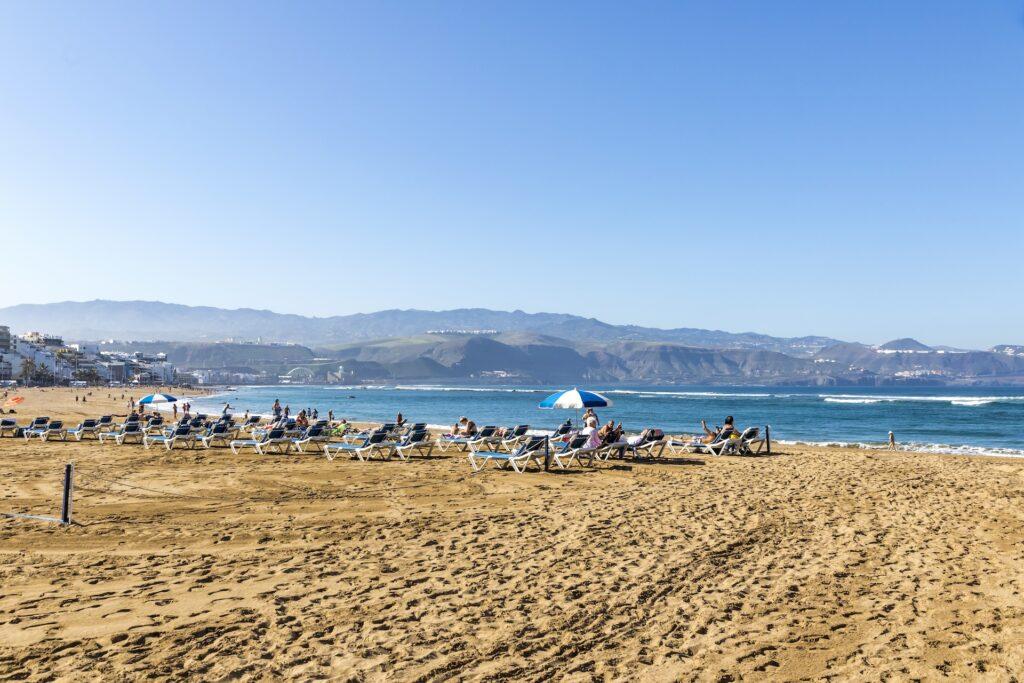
310,495
140,488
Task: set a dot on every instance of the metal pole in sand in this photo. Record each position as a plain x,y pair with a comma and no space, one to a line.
69,486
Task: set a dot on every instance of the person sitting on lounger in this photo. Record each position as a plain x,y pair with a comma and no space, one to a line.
610,433
718,434
301,421
400,420
464,427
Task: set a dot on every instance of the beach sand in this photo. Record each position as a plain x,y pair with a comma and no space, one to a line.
814,563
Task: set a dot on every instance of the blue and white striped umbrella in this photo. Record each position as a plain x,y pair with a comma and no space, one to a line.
575,400
157,398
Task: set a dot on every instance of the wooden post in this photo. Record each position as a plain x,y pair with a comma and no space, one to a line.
69,485
768,438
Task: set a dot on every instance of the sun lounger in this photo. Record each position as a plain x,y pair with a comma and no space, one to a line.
753,441
417,442
375,443
513,438
155,425
562,429
274,439
615,448
8,426
408,429
86,428
737,443
389,429
182,433
461,443
316,437
105,423
574,450
221,432
52,430
651,444
518,460
131,432
251,423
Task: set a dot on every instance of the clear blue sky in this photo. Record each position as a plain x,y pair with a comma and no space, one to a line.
853,168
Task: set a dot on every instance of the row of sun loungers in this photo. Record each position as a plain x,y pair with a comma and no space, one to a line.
515,448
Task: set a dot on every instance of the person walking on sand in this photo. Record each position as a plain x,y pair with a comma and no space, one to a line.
892,441
174,407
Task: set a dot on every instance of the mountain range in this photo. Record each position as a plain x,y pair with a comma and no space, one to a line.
153,320
507,347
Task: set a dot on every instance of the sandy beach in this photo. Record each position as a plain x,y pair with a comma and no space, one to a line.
813,563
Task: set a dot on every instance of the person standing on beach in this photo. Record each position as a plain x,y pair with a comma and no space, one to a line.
174,408
892,441
277,407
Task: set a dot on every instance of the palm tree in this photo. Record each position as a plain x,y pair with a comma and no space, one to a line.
28,370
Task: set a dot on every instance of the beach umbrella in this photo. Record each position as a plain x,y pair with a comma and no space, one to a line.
13,401
157,398
575,399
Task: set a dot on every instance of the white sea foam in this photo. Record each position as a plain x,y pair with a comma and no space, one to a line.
691,394
917,447
954,400
858,401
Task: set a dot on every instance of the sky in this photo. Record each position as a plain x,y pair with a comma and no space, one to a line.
852,169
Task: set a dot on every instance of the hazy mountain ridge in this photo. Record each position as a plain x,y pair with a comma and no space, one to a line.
525,349
148,320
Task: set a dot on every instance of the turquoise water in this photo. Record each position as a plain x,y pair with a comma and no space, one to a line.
936,419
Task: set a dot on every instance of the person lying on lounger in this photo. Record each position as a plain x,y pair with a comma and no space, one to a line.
711,436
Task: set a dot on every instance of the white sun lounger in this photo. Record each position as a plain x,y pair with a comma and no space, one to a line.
518,460
130,432
271,441
181,433
512,440
53,430
574,450
462,443
376,442
85,428
8,425
221,433
417,442
315,437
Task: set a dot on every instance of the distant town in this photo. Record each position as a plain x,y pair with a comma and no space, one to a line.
44,359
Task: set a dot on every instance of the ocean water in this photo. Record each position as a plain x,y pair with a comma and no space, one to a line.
950,420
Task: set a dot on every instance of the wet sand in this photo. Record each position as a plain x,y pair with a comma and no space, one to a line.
813,563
